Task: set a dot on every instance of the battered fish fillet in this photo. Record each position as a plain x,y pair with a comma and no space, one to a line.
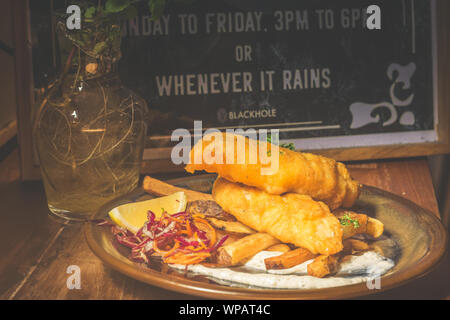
291,218
321,178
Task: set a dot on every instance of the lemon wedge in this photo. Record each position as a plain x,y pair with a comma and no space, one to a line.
133,216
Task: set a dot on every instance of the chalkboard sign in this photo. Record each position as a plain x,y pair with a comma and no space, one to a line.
312,69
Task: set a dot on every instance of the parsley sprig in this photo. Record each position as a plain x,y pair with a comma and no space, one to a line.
346,220
289,146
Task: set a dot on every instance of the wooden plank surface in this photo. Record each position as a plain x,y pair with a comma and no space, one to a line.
8,132
26,233
410,179
36,251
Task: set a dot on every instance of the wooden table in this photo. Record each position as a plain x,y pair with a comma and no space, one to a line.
36,251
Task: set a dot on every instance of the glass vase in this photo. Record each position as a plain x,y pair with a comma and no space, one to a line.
89,131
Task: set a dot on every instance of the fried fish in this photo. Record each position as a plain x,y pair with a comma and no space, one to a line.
291,218
321,178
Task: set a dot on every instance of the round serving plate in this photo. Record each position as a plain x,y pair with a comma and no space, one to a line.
414,238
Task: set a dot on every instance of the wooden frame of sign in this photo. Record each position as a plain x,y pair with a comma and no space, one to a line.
157,163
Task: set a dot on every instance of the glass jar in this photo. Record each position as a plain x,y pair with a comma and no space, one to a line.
89,129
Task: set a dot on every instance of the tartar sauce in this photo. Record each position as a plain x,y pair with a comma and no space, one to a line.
356,269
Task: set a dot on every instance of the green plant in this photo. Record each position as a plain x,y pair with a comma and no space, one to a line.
100,34
289,146
346,220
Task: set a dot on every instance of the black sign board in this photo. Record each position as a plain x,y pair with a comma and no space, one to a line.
312,69
330,85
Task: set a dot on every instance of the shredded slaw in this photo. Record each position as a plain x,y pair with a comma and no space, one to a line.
180,238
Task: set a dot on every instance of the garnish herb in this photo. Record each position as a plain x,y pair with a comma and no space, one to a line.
289,146
346,220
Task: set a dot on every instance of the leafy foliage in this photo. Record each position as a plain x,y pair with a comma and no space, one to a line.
94,49
114,6
156,7
289,146
346,220
100,35
89,12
